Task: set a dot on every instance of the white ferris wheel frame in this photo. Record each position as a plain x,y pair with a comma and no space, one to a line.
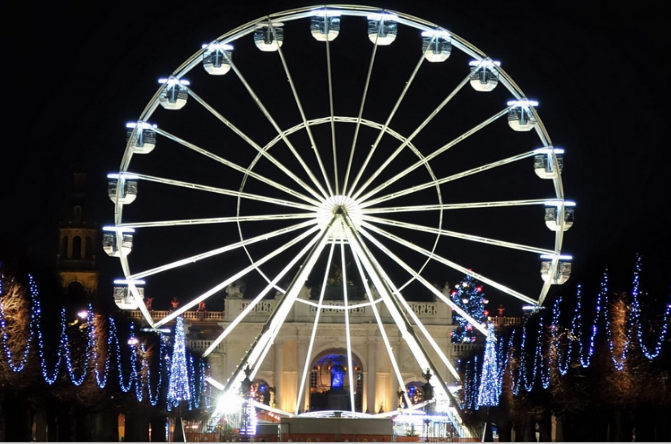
349,201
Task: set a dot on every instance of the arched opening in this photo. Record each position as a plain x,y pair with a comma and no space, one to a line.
76,248
78,211
330,382
88,247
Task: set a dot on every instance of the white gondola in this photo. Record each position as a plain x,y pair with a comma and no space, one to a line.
552,215
265,40
440,45
484,75
325,25
143,136
127,188
110,241
562,273
544,165
217,58
123,297
382,28
520,117
174,94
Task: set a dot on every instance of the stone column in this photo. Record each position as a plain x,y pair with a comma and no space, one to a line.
301,356
371,372
279,344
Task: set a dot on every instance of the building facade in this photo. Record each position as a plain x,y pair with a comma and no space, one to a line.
280,379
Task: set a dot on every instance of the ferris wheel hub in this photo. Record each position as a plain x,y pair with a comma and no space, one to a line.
339,206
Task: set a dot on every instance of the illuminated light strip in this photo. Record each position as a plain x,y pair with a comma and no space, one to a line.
216,220
238,168
221,250
259,297
276,319
306,368
348,339
380,326
313,144
454,266
367,203
412,313
462,206
234,278
426,121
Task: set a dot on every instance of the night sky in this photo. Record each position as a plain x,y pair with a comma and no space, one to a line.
79,71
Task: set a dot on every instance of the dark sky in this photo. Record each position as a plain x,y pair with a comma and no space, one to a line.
76,72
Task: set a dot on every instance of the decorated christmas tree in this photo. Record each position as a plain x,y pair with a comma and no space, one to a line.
469,296
490,385
178,385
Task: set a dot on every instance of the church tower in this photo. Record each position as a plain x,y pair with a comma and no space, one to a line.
76,259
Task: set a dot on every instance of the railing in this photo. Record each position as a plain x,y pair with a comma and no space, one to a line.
464,349
424,308
326,310
217,316
506,321
202,344
261,307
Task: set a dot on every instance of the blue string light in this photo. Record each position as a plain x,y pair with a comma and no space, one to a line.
636,316
178,382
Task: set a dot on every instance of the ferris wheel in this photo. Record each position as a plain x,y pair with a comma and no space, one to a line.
263,138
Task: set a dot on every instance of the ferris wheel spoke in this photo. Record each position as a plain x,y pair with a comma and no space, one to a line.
348,339
313,144
423,281
382,283
395,292
460,206
306,367
391,116
469,237
444,180
255,145
215,220
380,326
409,139
260,296
265,112
236,167
331,107
450,264
195,186
258,350
235,277
361,108
217,251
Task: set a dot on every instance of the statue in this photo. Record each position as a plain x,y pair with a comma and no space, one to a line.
148,302
234,291
201,306
174,303
337,375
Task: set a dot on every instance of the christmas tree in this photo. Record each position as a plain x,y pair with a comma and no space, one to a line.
488,392
178,385
469,296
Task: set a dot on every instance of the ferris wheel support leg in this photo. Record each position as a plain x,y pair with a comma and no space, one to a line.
314,332
430,287
348,338
380,326
407,331
272,326
258,298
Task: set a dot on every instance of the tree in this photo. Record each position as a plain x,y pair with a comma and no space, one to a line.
469,296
